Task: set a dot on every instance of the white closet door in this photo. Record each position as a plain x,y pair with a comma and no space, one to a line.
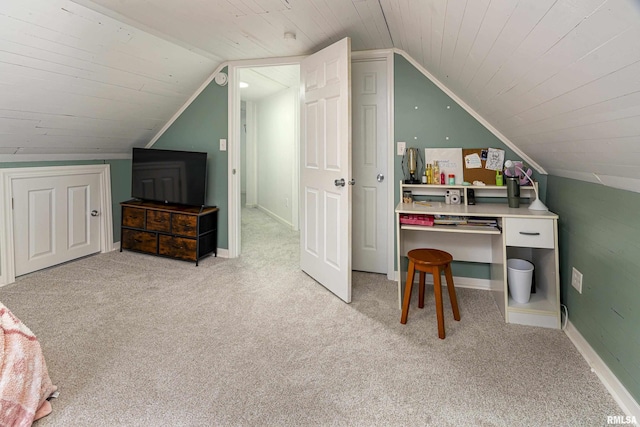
370,197
53,220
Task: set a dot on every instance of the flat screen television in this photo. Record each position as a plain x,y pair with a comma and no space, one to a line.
169,176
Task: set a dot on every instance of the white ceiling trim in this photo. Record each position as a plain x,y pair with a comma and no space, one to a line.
471,111
12,158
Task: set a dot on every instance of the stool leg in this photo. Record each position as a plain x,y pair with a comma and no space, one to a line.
452,292
437,291
421,291
407,292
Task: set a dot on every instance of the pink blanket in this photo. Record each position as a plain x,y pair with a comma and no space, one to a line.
24,381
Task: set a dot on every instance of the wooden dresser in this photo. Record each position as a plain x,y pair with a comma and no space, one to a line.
176,231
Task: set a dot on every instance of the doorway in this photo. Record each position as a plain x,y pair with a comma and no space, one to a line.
269,141
245,171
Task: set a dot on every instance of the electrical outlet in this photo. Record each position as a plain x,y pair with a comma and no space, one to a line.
576,279
402,146
223,145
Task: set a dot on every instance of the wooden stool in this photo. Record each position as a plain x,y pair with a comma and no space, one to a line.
430,261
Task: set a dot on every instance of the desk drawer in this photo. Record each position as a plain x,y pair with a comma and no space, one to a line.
530,233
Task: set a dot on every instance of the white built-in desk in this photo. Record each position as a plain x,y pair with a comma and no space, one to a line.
521,233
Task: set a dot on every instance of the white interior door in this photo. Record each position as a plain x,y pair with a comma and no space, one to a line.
53,221
325,205
370,197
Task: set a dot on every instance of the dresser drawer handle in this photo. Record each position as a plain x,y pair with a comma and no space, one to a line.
527,233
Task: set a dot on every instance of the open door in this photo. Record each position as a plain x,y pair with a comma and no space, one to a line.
325,170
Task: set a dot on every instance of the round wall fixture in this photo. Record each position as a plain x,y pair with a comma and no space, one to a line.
221,79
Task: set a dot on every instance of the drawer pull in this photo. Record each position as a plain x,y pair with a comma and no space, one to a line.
527,233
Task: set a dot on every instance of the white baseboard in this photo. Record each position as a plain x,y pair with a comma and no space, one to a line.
471,283
613,385
460,282
275,216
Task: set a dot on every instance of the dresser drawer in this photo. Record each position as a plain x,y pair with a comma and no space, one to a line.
530,233
178,247
142,241
158,220
185,225
132,217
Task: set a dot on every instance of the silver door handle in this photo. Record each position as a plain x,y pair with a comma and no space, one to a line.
380,177
94,213
340,182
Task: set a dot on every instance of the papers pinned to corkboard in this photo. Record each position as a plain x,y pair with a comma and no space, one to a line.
481,164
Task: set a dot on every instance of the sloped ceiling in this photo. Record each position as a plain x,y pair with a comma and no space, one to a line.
558,79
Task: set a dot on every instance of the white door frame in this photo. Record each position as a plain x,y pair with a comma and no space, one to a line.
387,55
251,155
233,146
234,143
7,255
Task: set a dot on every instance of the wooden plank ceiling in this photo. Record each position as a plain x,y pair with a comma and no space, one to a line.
559,79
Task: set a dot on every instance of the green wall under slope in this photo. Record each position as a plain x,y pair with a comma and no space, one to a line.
200,128
426,117
599,235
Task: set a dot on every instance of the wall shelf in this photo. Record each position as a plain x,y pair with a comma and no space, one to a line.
526,192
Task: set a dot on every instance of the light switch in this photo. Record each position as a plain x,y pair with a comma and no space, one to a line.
401,147
223,145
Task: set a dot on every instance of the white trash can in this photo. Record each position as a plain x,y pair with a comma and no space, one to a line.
519,277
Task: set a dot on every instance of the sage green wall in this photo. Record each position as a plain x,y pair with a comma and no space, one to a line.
120,191
425,117
599,234
120,182
200,128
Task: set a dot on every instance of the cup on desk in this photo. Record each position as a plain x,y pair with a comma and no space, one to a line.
513,191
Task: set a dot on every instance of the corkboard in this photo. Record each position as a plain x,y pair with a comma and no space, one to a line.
487,176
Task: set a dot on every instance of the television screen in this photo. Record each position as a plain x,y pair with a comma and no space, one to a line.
169,176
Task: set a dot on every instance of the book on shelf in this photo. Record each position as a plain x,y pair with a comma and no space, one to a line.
416,219
466,222
449,219
482,221
478,226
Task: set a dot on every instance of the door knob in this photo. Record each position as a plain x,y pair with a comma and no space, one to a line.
380,177
352,181
94,213
339,182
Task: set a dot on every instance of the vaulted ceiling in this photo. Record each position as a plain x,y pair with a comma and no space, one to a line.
558,79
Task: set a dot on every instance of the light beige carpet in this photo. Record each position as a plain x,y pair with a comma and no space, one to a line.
137,340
